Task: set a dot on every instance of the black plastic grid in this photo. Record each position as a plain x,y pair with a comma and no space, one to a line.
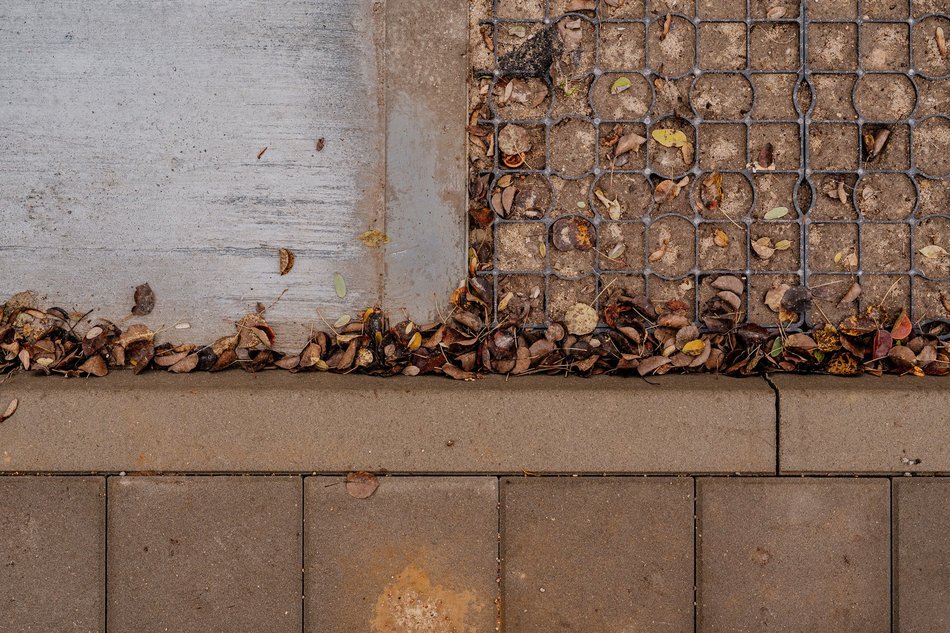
804,193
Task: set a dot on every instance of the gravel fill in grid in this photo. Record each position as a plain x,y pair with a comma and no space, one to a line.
854,117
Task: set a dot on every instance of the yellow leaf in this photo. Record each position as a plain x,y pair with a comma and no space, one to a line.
620,85
694,347
783,245
776,213
415,342
669,138
374,238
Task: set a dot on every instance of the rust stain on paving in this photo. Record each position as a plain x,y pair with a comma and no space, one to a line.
413,603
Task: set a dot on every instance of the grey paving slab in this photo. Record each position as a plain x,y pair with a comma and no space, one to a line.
176,143
52,554
326,423
867,425
793,555
921,555
198,554
608,554
426,58
420,554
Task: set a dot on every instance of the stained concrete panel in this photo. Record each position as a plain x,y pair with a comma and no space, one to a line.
175,143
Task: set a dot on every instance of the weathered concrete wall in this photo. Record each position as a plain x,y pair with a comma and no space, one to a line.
131,134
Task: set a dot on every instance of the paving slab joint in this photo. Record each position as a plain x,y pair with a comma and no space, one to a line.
778,422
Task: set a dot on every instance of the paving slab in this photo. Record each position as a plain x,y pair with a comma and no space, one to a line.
921,555
420,554
204,554
272,421
793,555
606,554
52,554
863,425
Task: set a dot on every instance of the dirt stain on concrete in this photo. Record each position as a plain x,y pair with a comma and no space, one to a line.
412,603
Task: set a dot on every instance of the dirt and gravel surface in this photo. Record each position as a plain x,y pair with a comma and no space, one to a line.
821,165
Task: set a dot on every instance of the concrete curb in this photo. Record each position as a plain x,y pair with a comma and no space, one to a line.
275,422
867,425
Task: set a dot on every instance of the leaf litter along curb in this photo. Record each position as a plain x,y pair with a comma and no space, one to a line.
635,337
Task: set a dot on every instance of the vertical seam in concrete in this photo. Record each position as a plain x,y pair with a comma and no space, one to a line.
382,74
892,507
778,424
105,555
695,557
303,559
499,551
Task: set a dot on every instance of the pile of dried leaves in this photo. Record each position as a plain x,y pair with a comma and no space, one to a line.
630,335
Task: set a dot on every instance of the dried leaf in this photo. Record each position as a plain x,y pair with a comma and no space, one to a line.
95,365
339,284
874,142
10,410
667,190
508,198
783,245
773,298
144,299
776,213
710,194
612,206
659,253
843,364
883,342
286,260
342,321
621,84
185,365
320,144
514,140
629,143
933,251
457,374
617,251
775,13
765,160
667,23
763,247
853,293
902,327
941,41
581,319
374,238
669,137
572,233
361,485
720,238
651,364
686,151
902,357
800,341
